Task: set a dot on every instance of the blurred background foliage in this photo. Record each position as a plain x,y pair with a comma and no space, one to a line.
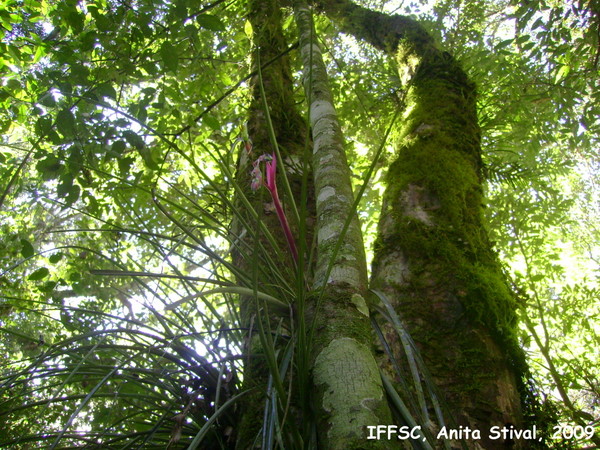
121,122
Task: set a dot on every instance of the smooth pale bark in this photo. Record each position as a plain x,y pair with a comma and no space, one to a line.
433,259
348,390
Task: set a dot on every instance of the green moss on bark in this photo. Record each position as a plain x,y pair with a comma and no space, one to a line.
434,197
272,264
449,288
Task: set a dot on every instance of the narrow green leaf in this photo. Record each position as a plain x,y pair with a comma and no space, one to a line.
562,73
503,44
248,29
207,426
538,23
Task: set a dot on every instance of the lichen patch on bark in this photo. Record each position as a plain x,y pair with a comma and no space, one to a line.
360,304
344,371
325,193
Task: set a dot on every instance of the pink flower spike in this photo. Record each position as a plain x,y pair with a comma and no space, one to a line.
270,173
271,185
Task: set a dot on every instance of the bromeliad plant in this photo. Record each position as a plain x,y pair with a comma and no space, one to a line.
269,181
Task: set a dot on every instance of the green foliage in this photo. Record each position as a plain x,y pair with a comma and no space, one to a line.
93,120
120,124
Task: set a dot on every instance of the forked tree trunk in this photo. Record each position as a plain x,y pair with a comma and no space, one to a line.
433,259
348,393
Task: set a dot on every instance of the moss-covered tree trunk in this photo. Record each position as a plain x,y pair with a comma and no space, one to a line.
433,259
266,264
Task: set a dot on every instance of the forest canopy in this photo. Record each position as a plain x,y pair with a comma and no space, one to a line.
130,235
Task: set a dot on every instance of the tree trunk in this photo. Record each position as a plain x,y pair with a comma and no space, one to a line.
348,390
265,264
433,259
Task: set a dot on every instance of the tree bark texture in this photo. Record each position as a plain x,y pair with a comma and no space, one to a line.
348,390
254,252
433,259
